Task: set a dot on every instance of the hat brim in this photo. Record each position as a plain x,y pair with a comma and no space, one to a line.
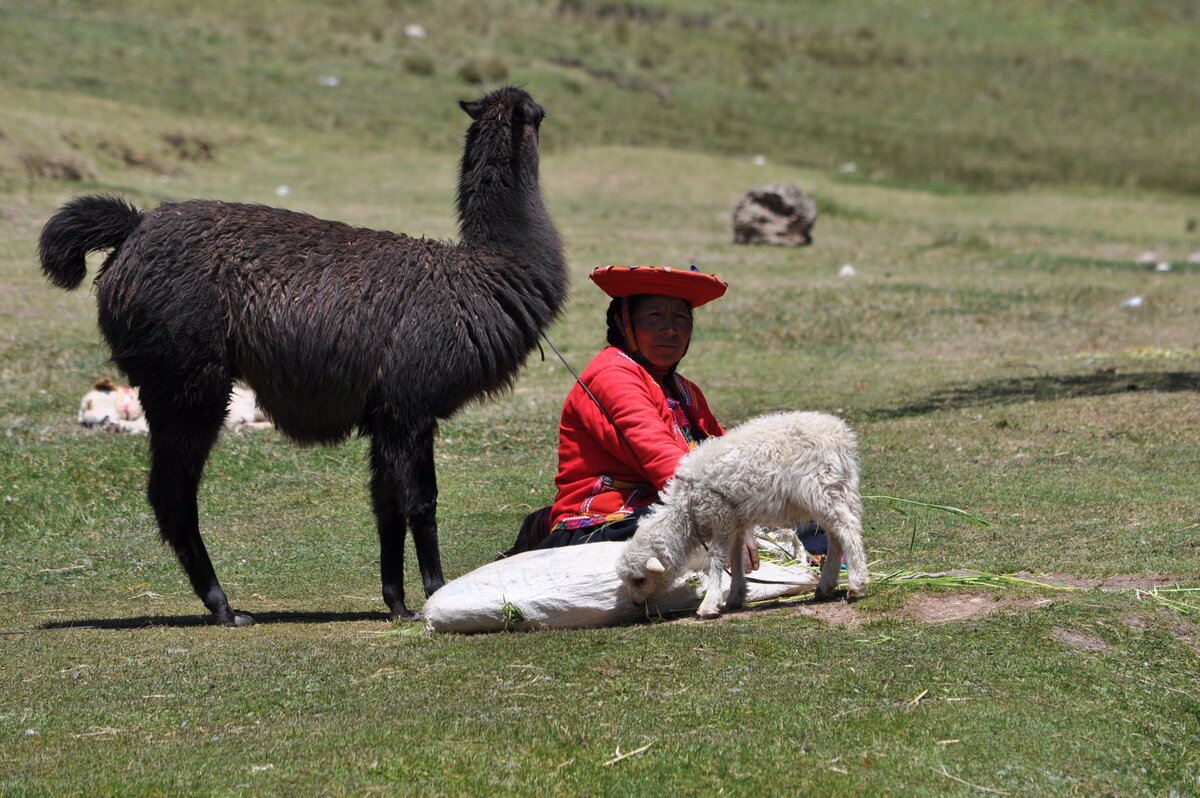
695,287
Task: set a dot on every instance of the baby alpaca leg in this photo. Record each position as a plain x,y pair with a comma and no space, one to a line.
849,532
718,554
832,567
737,571
844,532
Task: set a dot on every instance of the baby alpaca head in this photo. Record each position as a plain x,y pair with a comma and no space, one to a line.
98,407
641,575
642,566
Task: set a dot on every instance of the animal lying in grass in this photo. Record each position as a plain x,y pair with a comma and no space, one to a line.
336,328
118,409
774,470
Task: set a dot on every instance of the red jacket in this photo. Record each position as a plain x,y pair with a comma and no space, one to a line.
602,477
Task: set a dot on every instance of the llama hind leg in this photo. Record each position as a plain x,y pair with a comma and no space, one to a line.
180,441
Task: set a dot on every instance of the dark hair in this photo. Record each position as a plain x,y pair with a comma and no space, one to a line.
616,327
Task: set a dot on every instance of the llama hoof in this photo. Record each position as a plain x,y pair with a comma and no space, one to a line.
823,594
708,613
855,594
235,618
405,614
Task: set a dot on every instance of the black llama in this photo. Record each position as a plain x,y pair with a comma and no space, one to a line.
335,327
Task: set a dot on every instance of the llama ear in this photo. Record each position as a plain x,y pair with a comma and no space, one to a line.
474,108
655,566
529,113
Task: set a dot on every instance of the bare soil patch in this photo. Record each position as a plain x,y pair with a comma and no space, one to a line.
1116,582
837,613
944,607
924,608
1079,640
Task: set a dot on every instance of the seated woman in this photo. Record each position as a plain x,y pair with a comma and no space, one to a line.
631,416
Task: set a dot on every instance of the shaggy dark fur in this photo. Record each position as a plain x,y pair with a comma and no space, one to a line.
336,328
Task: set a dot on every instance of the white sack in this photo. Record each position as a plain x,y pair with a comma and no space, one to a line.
575,587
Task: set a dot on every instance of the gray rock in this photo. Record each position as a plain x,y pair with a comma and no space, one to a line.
776,213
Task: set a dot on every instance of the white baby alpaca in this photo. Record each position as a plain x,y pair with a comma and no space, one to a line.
775,470
119,409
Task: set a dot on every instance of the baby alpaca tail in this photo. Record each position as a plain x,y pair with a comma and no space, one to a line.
83,225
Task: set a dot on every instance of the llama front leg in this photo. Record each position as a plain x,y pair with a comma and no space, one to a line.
422,514
390,523
404,492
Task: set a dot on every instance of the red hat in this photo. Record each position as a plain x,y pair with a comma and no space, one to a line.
692,285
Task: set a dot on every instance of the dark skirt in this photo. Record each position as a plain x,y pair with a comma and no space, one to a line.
535,532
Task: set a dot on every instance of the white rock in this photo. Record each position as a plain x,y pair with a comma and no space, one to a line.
282,191
760,160
415,31
1133,302
1162,266
847,270
330,81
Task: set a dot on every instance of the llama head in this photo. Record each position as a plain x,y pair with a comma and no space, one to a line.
503,131
508,105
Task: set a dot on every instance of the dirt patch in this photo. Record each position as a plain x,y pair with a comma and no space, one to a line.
1117,582
836,613
1137,623
1079,640
945,607
922,607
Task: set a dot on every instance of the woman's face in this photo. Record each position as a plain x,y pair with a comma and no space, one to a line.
662,327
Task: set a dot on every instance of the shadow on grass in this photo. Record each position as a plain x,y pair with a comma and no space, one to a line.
171,621
1041,389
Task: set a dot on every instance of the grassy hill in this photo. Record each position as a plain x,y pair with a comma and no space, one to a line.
986,96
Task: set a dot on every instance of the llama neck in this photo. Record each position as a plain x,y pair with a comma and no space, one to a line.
500,206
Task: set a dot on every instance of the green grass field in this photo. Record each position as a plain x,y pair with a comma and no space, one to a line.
1011,166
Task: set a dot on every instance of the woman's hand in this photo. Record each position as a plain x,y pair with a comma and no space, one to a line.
750,558
749,555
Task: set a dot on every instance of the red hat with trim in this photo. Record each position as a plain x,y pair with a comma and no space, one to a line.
691,285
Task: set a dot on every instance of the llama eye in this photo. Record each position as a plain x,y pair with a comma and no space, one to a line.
641,580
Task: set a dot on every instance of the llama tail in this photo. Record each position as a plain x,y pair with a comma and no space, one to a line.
83,225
